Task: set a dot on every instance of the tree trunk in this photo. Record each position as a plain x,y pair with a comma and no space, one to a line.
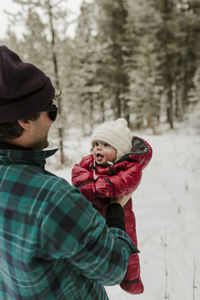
102,110
91,113
185,88
118,105
57,83
82,118
126,112
178,103
170,117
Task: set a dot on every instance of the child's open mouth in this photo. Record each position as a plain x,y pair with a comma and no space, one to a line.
99,157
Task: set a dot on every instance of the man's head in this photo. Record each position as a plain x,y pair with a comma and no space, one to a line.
26,97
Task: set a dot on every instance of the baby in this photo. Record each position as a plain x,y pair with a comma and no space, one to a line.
114,169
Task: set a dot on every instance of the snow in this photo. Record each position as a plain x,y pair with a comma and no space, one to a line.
167,207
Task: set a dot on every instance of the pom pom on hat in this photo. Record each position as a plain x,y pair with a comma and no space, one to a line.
116,134
24,89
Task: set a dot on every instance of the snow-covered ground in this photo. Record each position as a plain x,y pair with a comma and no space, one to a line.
167,207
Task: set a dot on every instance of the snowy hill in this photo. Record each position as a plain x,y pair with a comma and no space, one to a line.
167,207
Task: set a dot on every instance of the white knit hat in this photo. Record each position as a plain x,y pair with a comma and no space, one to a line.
116,134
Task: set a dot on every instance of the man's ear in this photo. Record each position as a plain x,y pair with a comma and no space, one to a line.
25,124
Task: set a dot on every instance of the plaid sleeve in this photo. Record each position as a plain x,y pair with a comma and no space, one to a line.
73,230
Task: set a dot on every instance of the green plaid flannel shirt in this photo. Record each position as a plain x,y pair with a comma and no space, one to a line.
53,244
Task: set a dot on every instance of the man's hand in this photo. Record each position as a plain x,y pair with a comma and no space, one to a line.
121,200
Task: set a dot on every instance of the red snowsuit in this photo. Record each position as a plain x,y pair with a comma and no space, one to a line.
98,184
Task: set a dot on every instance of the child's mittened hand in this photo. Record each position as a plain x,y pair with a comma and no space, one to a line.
121,200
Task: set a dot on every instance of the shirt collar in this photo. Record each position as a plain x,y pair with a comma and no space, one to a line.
18,154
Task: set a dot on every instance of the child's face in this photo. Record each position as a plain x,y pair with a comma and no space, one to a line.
103,152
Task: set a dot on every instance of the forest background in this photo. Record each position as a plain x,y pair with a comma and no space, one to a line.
139,60
134,59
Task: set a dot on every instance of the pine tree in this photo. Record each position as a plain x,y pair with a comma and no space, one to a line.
112,21
188,57
178,55
41,41
167,52
145,87
128,59
86,86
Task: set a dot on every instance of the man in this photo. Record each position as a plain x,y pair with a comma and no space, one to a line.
53,244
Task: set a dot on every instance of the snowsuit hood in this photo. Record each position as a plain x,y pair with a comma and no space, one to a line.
141,152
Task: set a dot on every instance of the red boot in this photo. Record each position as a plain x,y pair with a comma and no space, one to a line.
132,282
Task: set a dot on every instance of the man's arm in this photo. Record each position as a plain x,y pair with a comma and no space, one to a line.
74,231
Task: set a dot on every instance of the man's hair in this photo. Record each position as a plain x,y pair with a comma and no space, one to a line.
13,130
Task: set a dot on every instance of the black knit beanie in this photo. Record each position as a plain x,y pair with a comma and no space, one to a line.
24,89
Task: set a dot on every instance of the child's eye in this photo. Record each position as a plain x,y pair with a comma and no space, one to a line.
106,145
96,144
